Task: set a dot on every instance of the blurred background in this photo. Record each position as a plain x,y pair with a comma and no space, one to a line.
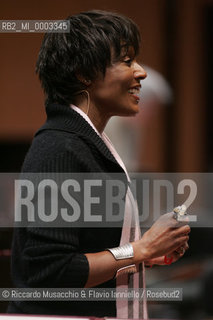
172,133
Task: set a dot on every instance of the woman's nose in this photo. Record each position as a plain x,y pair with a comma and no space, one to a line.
139,71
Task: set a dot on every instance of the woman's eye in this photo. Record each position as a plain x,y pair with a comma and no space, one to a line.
128,61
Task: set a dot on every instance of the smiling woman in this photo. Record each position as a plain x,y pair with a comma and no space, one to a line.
117,93
88,75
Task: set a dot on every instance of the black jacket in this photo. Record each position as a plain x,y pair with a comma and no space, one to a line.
54,257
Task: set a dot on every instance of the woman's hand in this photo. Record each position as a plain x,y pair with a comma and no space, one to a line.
175,255
165,237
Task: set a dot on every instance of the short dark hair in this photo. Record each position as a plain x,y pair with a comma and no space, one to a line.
86,50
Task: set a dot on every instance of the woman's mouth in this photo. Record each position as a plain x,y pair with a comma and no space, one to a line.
135,92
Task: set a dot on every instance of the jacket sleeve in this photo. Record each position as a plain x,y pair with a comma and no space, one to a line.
51,257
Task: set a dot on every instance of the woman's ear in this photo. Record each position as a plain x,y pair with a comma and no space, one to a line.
86,82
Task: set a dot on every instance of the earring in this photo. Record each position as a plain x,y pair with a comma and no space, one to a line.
88,100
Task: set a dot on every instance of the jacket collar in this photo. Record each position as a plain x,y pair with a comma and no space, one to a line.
64,118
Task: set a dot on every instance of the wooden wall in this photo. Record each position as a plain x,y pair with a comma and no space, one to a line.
173,44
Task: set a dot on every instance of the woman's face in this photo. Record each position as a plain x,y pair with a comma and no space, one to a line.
118,92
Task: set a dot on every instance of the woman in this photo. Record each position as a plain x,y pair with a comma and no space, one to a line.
89,75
